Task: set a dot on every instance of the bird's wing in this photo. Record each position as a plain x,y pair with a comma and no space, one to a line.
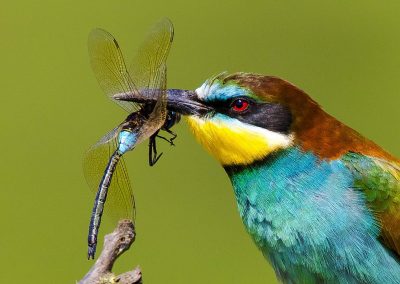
379,180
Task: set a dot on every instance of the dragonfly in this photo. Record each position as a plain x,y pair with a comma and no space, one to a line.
145,79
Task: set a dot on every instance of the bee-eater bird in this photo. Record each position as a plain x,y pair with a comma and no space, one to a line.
320,201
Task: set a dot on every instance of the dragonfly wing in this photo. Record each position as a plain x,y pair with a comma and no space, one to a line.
109,67
148,71
120,201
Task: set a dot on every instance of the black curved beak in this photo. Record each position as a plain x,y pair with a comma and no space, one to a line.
184,102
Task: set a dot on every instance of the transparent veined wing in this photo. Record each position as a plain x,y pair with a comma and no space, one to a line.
120,200
109,67
148,71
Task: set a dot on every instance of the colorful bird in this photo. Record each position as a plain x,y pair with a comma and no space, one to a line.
321,202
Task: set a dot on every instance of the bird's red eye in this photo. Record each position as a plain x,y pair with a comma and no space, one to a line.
240,105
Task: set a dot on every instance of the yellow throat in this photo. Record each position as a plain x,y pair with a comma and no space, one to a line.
235,143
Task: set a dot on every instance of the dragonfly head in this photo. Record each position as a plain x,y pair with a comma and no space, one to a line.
171,119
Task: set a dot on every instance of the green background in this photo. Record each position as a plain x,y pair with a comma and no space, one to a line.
344,55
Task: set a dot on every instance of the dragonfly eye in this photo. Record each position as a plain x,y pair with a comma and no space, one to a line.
171,119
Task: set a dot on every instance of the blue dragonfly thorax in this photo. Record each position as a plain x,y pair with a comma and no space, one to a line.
128,135
126,141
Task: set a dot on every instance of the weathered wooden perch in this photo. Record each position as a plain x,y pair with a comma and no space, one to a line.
115,244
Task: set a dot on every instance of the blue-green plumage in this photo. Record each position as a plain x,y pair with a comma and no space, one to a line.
377,178
310,221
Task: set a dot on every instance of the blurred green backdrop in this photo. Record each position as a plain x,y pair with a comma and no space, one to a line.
345,55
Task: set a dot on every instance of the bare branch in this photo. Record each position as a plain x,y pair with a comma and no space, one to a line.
115,244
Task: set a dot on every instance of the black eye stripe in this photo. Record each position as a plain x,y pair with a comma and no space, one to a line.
271,116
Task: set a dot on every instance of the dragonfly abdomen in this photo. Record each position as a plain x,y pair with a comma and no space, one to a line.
126,142
99,202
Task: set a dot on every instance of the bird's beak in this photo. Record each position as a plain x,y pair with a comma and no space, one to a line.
185,102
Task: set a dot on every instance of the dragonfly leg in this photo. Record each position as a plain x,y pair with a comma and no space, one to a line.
153,157
170,140
174,135
166,139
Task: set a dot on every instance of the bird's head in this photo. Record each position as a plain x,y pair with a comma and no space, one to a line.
243,118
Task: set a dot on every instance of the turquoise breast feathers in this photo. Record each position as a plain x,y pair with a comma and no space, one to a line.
289,204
